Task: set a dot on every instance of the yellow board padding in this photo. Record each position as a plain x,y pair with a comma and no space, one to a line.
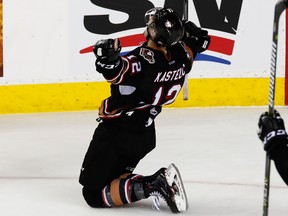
52,97
230,92
204,92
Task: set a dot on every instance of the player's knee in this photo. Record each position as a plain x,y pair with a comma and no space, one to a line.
93,197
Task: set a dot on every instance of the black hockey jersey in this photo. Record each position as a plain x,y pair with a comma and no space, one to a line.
143,81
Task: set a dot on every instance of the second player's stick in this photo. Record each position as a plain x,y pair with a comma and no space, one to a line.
281,5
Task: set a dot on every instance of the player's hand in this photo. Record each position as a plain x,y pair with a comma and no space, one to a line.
271,130
107,50
200,37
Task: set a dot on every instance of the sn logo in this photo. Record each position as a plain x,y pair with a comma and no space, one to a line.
223,18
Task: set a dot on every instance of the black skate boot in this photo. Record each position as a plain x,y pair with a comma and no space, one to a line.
167,184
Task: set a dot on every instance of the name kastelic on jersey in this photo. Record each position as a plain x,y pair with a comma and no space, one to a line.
170,75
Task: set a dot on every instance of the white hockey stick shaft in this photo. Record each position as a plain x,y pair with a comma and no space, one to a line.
281,6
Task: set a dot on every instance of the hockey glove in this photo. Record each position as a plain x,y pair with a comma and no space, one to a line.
195,37
271,131
107,51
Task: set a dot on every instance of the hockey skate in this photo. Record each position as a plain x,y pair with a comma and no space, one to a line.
174,180
167,184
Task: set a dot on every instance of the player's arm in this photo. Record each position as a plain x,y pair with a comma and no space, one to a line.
108,61
195,38
273,135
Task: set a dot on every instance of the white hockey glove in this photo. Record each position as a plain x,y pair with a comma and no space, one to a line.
196,38
107,51
271,131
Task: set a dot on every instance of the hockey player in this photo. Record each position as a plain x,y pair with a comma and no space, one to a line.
142,82
274,137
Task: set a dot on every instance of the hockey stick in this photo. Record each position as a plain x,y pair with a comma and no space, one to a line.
281,5
185,86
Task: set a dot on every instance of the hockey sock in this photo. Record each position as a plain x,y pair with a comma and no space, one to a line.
122,191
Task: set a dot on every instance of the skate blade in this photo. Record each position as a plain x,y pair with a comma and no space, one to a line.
174,179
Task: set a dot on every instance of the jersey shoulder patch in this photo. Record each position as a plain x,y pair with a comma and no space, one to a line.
147,54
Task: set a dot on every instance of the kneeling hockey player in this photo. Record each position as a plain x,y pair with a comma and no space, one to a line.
142,81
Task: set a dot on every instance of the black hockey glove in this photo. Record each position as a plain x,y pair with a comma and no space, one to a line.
107,51
195,37
271,131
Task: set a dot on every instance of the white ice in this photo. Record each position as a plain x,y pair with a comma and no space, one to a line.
216,149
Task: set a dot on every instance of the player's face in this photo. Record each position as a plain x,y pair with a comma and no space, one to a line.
152,32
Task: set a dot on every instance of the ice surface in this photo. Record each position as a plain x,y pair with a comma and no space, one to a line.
216,149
